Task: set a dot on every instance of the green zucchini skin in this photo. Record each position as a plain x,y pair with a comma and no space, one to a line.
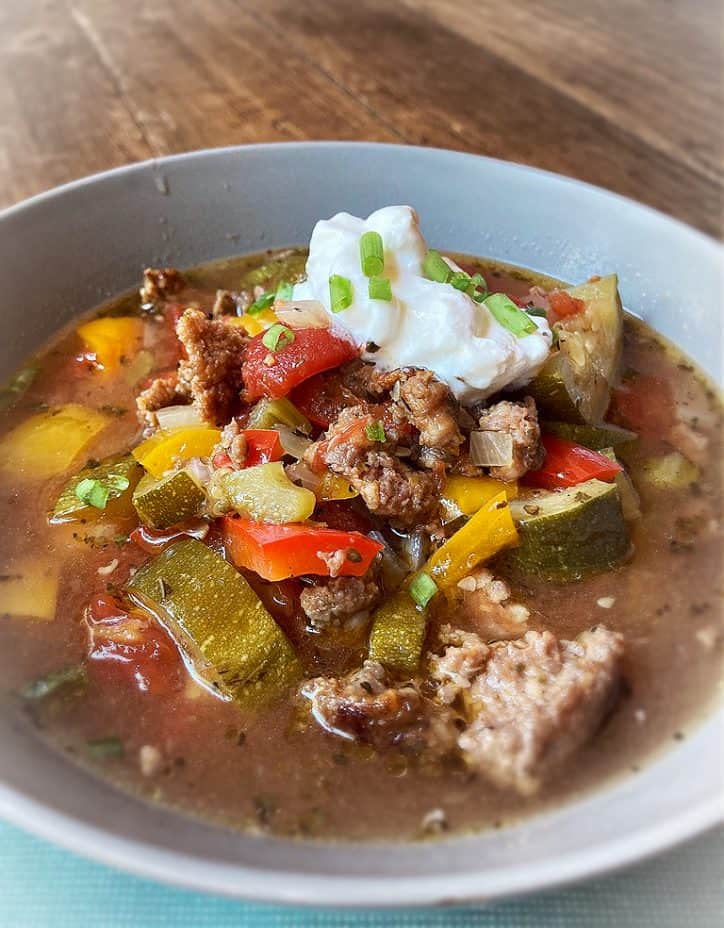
595,437
575,384
569,534
69,507
168,500
229,638
398,634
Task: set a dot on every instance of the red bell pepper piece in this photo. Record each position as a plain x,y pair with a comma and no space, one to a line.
262,446
277,552
276,373
568,464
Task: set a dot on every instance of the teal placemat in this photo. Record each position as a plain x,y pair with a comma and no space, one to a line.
44,887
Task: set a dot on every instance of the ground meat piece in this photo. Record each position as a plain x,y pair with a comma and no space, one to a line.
483,601
212,367
418,399
537,701
520,421
231,303
365,706
232,443
388,486
465,655
163,391
431,409
161,283
338,598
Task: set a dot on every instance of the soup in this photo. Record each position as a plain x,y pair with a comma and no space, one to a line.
291,549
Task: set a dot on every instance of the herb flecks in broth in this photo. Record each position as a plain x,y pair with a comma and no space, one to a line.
317,586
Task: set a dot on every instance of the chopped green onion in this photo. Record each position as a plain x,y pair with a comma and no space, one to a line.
277,337
478,289
555,337
372,254
265,301
460,280
380,289
375,431
285,291
435,267
340,293
509,315
92,492
422,589
536,311
44,686
101,748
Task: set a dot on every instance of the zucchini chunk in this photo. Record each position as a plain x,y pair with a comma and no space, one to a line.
267,414
165,501
669,472
575,383
231,642
116,476
398,633
595,437
566,535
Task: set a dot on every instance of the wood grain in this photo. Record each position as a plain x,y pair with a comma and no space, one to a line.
623,93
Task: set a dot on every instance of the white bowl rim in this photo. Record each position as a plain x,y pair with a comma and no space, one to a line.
184,870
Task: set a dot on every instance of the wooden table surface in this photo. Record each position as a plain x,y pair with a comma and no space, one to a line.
627,94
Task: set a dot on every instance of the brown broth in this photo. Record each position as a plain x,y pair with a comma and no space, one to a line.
271,771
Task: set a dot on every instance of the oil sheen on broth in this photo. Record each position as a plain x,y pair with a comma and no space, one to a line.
159,734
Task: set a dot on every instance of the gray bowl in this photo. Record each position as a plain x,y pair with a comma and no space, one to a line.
64,251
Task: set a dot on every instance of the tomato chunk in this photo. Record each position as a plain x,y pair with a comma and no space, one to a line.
568,464
645,404
322,398
262,446
277,552
276,373
563,305
128,643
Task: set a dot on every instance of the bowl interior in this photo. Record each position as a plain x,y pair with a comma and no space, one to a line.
64,252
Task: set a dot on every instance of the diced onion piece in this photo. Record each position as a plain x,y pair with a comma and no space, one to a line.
491,449
302,314
292,443
173,417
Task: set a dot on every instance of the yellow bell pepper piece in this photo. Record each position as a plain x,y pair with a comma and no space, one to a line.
110,339
169,447
463,496
46,444
29,590
255,324
486,533
332,486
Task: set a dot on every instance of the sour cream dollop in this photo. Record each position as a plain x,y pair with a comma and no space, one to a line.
427,324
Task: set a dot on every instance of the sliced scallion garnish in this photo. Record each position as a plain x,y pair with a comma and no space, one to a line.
372,254
285,291
340,293
460,280
277,337
536,311
380,288
375,431
504,310
435,267
265,301
422,589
